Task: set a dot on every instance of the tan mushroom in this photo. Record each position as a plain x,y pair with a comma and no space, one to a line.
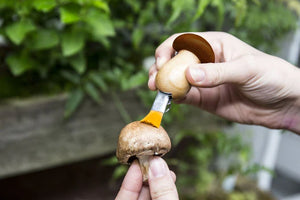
142,141
190,49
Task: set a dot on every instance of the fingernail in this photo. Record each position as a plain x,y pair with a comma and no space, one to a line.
157,168
197,74
160,61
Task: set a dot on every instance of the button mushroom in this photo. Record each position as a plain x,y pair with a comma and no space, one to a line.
142,141
191,49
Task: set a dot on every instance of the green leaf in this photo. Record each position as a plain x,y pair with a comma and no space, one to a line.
97,79
44,5
104,41
6,4
101,4
92,91
137,37
179,7
17,31
72,42
179,137
20,63
75,98
161,6
110,161
70,76
22,8
119,171
241,10
254,168
78,62
175,14
99,22
135,5
43,39
69,13
134,81
201,7
221,9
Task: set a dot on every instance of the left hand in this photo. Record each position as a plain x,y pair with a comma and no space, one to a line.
161,183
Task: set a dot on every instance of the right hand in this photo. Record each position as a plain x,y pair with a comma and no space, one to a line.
244,85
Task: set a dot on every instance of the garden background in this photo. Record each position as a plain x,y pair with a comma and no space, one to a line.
74,72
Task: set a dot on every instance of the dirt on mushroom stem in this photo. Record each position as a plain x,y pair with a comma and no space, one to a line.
144,165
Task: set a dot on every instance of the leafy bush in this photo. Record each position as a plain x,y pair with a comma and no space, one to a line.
205,159
92,46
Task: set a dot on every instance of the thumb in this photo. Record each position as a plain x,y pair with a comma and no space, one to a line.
214,74
161,184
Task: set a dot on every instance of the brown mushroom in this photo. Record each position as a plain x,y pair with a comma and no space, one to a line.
142,141
191,49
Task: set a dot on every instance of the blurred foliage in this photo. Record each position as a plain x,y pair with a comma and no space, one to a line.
294,5
203,161
91,47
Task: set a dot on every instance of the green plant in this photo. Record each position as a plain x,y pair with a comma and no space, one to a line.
90,47
204,159
270,25
96,47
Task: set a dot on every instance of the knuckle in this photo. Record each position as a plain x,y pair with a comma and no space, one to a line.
157,51
217,76
163,193
250,60
250,65
152,70
225,34
228,35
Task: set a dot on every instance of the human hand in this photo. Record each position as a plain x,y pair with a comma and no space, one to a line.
244,85
160,178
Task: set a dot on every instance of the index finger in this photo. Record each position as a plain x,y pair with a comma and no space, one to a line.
132,183
161,182
165,51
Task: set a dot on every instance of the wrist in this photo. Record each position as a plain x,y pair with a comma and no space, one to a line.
291,120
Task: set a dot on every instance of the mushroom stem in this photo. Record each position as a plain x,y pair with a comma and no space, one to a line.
144,165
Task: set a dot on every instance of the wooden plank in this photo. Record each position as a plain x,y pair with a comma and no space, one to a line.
34,135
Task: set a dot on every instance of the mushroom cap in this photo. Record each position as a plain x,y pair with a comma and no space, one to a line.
195,44
137,139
